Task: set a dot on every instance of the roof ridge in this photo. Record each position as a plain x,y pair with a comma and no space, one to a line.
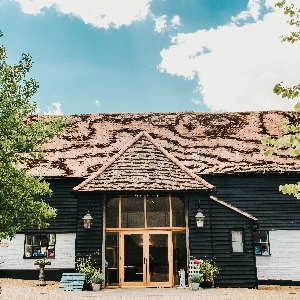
160,148
234,208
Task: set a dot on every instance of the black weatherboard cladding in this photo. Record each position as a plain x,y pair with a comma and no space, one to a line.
213,240
258,195
89,241
64,202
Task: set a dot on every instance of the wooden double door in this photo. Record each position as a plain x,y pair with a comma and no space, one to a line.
145,258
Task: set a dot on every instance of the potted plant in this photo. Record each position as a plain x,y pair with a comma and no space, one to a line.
97,280
209,270
195,281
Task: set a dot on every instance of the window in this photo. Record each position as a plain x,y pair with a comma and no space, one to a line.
145,211
261,242
237,241
39,245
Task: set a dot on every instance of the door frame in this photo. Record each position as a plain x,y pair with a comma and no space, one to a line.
146,269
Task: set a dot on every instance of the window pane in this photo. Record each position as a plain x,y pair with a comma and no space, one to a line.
158,212
39,245
264,235
133,212
256,236
112,213
178,213
237,241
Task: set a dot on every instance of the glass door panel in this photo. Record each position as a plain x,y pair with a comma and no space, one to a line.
179,254
133,264
111,257
159,259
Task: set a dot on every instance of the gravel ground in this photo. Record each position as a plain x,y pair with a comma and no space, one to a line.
15,289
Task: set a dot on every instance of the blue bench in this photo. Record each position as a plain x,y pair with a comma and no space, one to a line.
72,282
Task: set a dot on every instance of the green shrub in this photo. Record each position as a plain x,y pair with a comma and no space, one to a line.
98,277
209,270
85,265
196,278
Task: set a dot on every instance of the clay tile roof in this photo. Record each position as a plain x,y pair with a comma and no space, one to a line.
143,164
233,208
205,143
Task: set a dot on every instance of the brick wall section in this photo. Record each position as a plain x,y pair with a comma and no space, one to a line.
11,253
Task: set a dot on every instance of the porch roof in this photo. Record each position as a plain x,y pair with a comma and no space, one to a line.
143,164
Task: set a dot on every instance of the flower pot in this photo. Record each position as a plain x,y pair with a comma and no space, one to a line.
96,287
195,286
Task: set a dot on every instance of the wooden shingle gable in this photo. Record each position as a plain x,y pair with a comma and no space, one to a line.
143,165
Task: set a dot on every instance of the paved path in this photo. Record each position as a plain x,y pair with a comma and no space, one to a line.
146,292
16,289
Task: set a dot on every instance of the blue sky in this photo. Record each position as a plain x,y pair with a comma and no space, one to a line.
152,55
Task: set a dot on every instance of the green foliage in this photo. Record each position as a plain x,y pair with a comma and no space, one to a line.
290,141
22,137
85,265
196,278
294,15
98,277
209,270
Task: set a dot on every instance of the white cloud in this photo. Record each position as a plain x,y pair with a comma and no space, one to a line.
54,110
97,103
161,23
237,66
175,22
98,13
254,9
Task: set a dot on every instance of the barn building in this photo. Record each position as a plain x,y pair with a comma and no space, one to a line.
142,179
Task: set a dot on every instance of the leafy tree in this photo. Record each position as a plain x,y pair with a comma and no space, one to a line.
22,136
291,139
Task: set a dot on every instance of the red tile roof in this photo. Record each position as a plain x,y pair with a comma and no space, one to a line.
143,165
205,143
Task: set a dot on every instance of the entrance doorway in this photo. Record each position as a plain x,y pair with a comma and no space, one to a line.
146,259
145,241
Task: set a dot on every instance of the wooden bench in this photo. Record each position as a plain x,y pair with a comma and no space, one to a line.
72,282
